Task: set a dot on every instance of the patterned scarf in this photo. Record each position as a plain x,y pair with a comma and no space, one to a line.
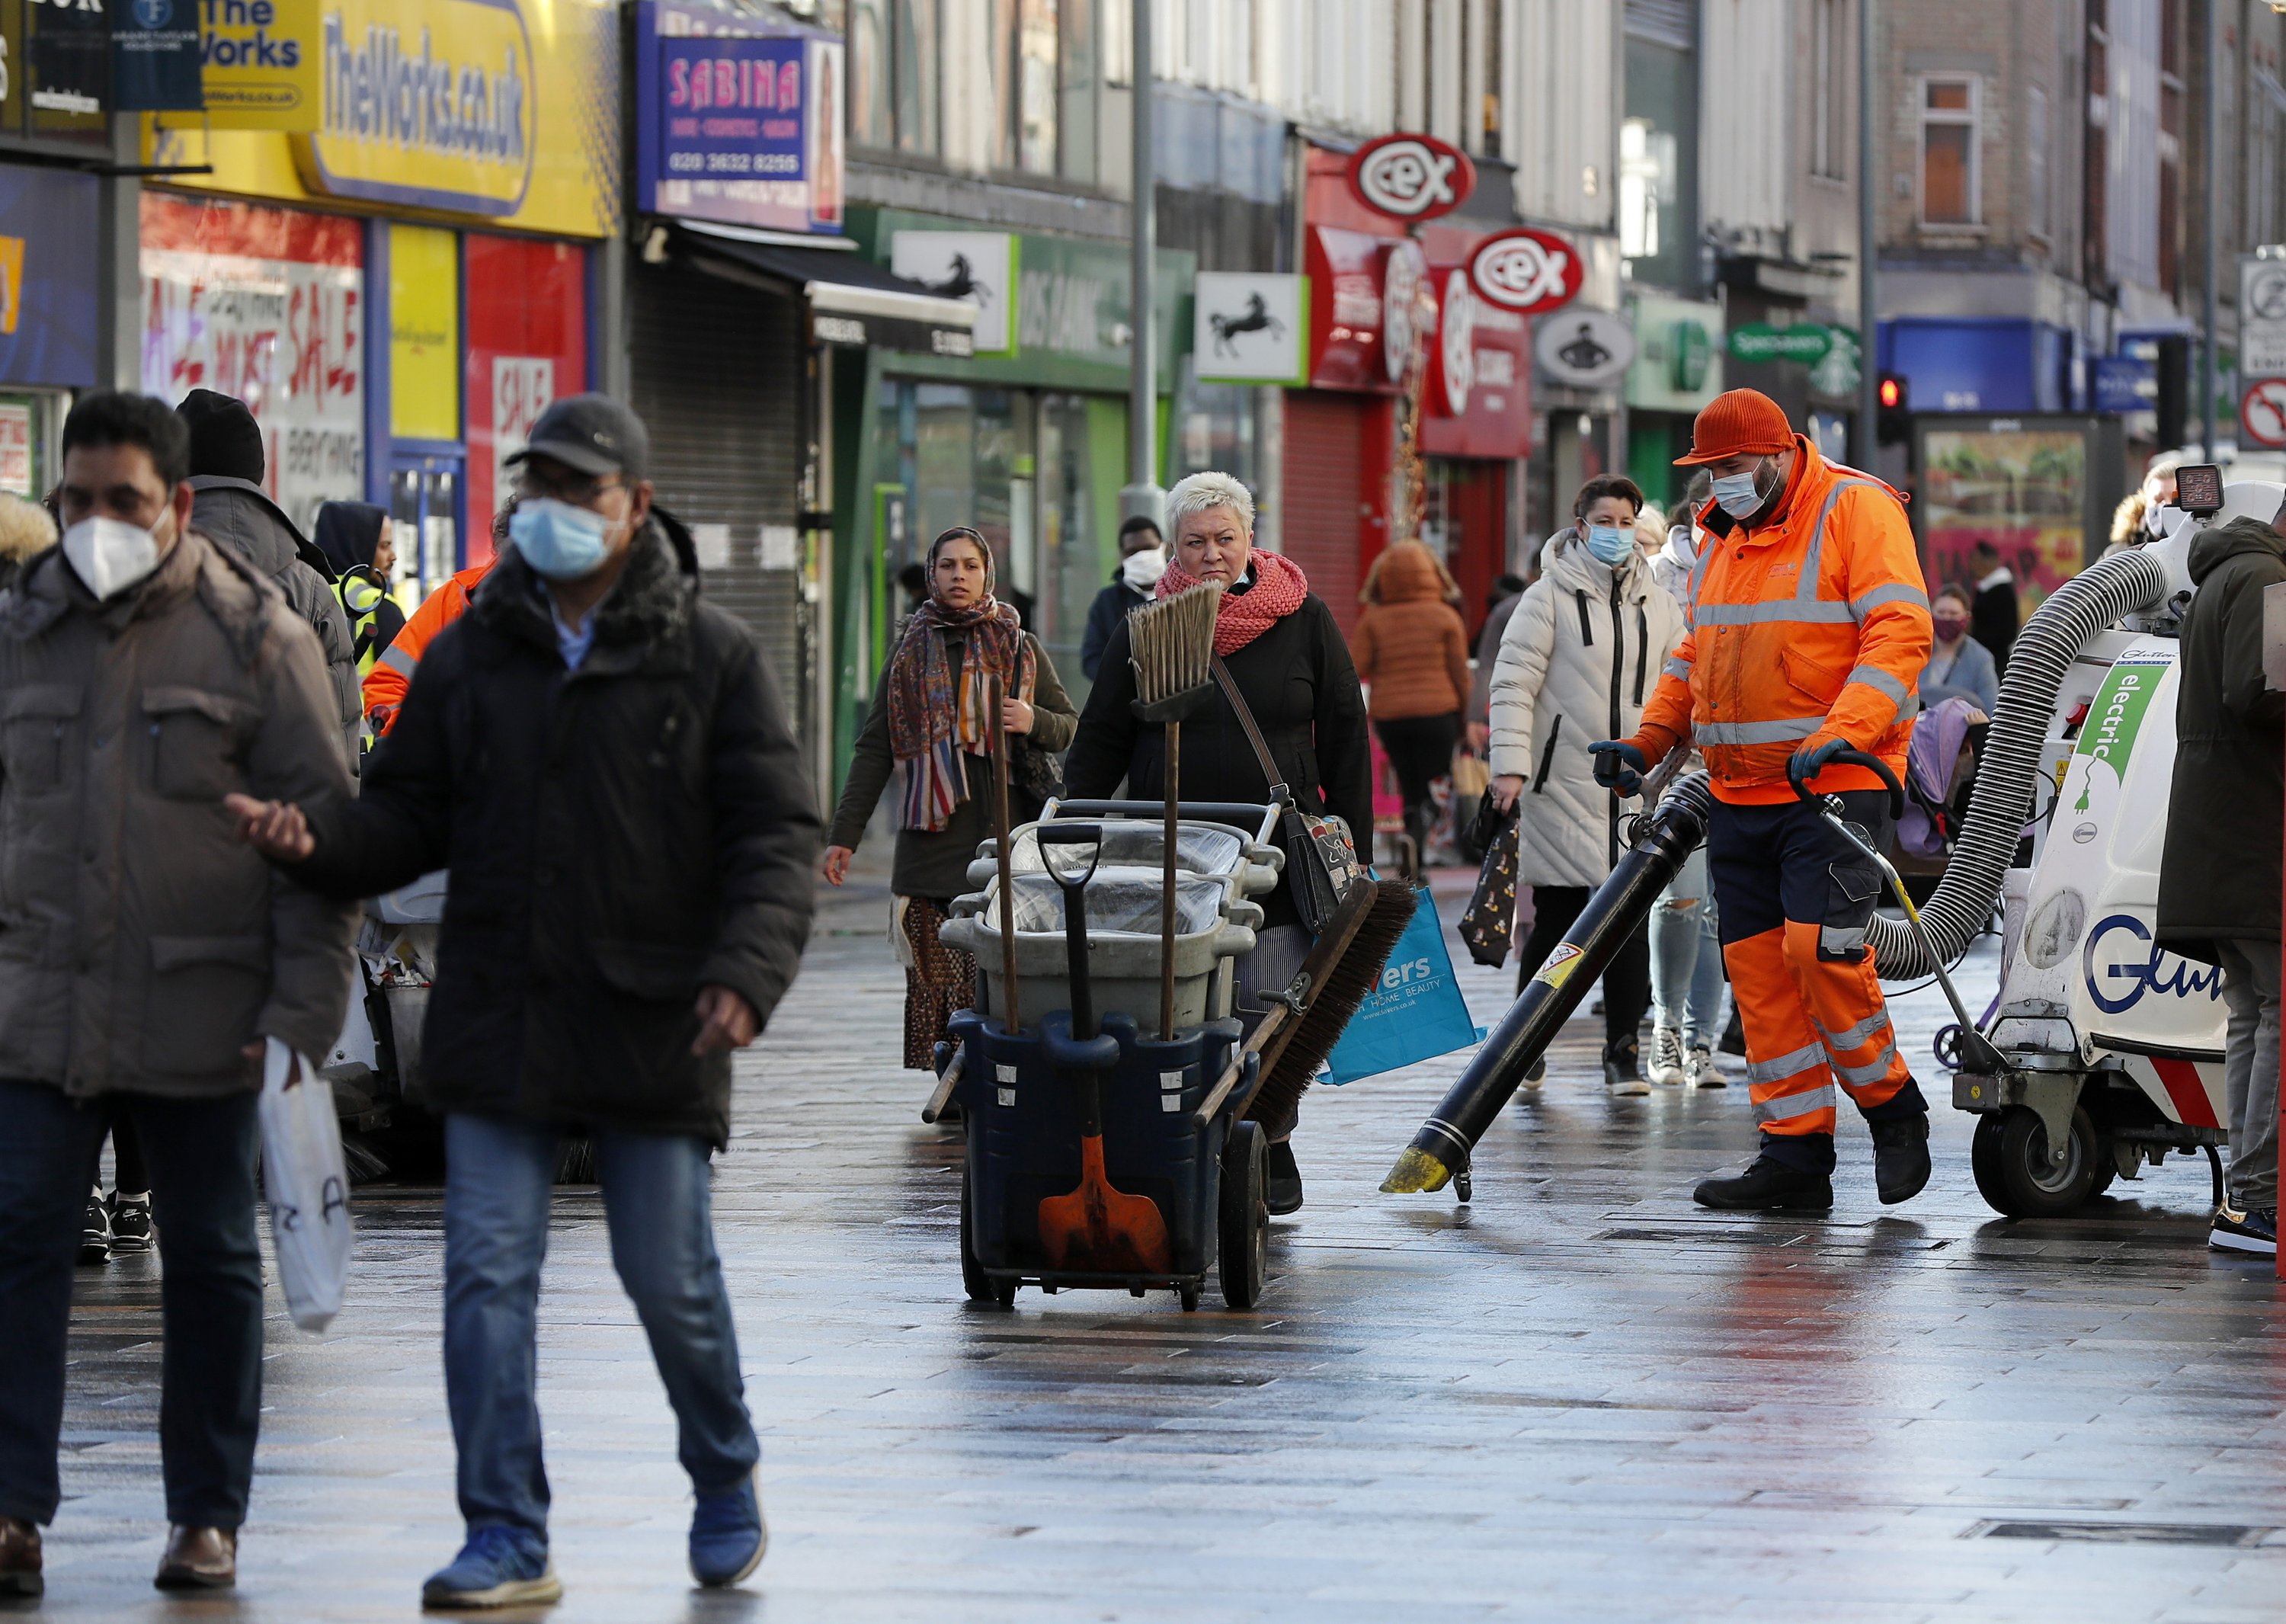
933,722
1278,591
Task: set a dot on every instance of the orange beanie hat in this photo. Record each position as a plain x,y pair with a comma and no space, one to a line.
1739,422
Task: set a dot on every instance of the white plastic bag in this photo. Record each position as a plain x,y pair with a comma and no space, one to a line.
308,1186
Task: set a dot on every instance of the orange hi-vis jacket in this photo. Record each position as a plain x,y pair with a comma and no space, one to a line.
391,677
1813,627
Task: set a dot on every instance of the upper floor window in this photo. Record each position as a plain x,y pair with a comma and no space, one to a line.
1951,183
1833,72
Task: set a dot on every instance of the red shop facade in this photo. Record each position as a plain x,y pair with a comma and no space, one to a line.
1374,290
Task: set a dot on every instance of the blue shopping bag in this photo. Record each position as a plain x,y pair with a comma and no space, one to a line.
1416,1013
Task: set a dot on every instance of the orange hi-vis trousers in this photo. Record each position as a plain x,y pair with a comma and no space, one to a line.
1795,902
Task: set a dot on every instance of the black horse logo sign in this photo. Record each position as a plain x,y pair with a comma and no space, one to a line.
1254,319
960,282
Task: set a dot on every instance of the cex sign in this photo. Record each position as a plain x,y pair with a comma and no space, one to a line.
1526,272
1411,176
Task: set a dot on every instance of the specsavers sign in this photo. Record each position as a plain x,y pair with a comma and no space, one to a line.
505,110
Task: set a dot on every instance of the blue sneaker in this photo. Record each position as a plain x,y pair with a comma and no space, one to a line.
497,1567
2254,1231
727,1535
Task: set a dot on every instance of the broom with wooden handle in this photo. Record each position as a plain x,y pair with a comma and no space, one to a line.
1171,645
995,698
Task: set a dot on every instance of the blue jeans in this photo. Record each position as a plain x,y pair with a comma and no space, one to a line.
201,1154
500,1171
1686,956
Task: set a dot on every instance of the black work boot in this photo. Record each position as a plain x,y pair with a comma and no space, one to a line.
1281,1178
1901,1157
1768,1187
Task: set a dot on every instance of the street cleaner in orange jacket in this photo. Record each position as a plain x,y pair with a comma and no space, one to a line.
391,679
1806,630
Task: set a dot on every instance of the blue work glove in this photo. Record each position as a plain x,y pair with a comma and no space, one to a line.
1620,766
1807,762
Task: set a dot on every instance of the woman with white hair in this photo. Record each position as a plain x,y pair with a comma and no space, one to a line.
1287,658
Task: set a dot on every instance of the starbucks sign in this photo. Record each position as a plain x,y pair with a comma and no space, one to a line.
1806,341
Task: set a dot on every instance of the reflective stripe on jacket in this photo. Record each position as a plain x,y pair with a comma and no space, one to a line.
1815,627
362,594
391,675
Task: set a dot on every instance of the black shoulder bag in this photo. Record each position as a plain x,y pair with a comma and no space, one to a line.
1321,861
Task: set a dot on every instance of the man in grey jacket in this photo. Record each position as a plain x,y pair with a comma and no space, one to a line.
231,509
146,954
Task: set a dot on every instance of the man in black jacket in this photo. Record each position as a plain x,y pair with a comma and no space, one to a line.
2219,875
603,764
1994,616
1142,560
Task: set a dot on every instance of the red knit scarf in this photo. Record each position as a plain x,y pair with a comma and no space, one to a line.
1242,617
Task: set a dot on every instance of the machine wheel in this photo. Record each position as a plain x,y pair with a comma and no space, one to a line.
2029,1184
2107,1166
1190,1296
980,1286
1984,1162
1244,1234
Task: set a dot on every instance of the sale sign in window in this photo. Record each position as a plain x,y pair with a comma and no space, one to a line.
527,343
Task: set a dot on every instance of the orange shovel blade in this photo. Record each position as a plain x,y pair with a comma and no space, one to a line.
1099,1228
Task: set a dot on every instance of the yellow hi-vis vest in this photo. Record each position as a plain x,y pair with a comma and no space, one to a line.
362,592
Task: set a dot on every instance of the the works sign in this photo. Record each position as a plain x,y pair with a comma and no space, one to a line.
436,115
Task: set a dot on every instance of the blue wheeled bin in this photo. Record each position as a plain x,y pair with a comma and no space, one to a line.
1026,1098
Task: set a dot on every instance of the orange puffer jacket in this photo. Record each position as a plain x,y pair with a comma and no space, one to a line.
1815,627
1409,645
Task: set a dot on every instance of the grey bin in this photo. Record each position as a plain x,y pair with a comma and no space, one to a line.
1214,925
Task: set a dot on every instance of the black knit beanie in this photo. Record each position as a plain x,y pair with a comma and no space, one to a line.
225,437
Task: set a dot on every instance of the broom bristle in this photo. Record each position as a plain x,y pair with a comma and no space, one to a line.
1170,642
1356,974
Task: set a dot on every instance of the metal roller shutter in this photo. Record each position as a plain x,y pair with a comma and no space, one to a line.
1325,496
716,375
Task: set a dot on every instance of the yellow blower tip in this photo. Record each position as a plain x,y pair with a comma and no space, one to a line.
1417,1172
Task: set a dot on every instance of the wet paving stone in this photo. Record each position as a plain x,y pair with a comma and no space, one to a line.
1579,1398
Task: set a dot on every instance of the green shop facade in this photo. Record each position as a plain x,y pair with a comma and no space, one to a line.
1025,439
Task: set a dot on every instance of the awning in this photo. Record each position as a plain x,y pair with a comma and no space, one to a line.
850,300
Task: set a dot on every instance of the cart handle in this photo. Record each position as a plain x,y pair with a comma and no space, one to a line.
1260,817
1871,763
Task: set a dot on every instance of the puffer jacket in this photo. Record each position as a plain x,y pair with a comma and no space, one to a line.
142,942
239,515
618,836
1410,647
2219,877
1578,661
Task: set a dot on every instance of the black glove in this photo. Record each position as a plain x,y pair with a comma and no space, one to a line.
1807,762
1620,766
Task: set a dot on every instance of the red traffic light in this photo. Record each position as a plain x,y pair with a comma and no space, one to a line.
1893,392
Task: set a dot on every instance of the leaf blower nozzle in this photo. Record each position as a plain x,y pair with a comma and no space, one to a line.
1664,840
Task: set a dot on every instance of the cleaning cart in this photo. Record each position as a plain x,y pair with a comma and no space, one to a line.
1103,1150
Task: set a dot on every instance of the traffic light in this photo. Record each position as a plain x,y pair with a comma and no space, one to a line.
1895,419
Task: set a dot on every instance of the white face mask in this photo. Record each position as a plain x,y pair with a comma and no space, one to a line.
1740,495
1142,569
110,555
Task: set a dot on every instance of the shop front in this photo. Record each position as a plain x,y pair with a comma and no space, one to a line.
1476,425
1025,438
1678,368
399,290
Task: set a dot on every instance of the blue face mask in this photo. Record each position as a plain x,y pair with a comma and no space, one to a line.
559,540
1611,544
1740,495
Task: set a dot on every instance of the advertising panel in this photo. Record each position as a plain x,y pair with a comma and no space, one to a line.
259,65
1481,369
2023,489
47,277
736,122
424,332
266,304
527,343
1251,327
501,110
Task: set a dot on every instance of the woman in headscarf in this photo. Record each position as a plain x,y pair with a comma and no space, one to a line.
1286,655
929,719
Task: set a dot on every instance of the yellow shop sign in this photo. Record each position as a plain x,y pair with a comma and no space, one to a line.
426,106
258,63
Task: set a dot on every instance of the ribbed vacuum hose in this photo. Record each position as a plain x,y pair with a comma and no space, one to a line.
2124,584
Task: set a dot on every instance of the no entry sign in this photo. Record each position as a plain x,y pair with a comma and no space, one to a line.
2262,413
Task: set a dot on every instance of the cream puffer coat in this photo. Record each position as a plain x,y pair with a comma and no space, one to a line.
1581,654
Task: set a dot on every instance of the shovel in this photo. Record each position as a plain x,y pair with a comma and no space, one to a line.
1095,1226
